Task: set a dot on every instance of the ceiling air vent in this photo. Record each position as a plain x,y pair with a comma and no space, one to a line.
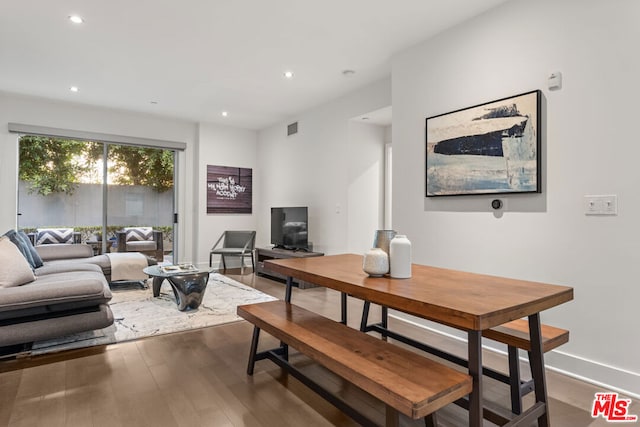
292,129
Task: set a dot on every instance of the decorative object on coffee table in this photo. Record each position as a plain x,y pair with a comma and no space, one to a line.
375,262
188,283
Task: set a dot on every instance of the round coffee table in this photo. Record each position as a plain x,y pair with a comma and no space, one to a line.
188,286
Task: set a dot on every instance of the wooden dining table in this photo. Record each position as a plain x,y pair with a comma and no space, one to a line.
466,301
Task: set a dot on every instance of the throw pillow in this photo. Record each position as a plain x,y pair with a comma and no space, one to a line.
138,233
37,260
54,235
14,268
21,245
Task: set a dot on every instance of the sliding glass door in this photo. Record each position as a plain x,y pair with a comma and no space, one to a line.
140,198
97,189
59,188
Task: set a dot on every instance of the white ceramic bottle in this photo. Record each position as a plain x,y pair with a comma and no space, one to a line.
400,257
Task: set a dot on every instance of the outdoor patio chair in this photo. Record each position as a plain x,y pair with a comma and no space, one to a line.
235,243
145,240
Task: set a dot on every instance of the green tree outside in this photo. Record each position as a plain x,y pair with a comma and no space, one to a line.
150,167
56,165
51,165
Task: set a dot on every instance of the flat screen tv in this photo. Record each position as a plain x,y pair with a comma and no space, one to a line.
289,228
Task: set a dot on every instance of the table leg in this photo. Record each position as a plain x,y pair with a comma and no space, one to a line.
287,294
254,349
536,360
287,298
385,321
475,370
365,316
157,282
343,308
189,289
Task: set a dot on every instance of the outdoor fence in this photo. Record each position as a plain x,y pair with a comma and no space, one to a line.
128,205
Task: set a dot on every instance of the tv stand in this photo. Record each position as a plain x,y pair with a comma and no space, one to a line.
290,248
264,254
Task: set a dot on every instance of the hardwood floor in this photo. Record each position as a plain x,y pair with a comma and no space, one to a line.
198,378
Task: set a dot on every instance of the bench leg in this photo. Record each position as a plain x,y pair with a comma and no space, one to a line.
392,417
224,265
254,350
514,380
343,308
431,420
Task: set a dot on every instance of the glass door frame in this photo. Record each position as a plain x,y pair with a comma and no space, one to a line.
105,139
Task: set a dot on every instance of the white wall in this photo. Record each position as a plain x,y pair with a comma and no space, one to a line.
41,112
313,167
589,148
365,193
222,146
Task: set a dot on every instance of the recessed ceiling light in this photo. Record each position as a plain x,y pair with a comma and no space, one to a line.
76,19
348,73
74,89
225,114
288,74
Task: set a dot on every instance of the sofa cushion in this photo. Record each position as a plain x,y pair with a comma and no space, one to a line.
101,261
81,288
64,251
54,235
141,246
34,329
63,266
22,246
14,268
37,261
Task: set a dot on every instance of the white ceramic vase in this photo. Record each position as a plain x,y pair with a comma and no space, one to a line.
375,262
400,257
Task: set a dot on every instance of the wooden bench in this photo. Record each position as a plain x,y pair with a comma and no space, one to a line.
405,381
515,335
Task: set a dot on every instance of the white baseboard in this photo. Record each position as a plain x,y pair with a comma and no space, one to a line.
609,378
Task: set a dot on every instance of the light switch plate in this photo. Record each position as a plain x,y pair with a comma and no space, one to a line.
601,205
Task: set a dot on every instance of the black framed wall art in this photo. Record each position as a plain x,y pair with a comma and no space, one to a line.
229,189
490,148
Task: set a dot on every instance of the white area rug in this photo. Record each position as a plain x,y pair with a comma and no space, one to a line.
138,314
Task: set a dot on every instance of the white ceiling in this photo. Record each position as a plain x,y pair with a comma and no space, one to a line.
197,58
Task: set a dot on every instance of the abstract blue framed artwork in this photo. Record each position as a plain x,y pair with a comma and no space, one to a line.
485,149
